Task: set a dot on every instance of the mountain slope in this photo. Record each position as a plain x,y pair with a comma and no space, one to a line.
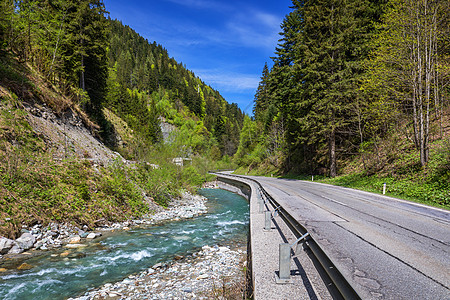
141,74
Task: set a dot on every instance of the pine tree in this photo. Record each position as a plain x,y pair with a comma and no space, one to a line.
315,77
6,15
324,65
262,98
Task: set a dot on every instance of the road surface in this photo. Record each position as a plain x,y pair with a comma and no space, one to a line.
385,247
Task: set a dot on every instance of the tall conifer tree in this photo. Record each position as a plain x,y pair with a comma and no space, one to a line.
262,98
315,76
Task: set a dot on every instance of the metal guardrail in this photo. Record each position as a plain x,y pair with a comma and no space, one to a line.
344,288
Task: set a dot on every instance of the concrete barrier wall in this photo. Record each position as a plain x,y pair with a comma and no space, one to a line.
245,191
234,186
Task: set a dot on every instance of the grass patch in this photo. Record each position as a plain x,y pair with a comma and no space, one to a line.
430,193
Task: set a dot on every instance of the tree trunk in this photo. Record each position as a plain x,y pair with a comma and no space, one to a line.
333,172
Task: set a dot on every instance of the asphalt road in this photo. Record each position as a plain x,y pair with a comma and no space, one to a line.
385,247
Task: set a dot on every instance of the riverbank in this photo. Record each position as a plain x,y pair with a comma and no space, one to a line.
56,235
213,272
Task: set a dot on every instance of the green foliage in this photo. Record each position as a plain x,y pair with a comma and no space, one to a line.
6,8
262,95
406,69
7,72
138,110
247,141
191,175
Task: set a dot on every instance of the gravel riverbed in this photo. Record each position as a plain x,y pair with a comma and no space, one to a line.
213,272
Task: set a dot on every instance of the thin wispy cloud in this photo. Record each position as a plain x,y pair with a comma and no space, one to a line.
253,28
269,20
229,81
246,36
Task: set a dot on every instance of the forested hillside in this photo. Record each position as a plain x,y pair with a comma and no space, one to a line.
140,70
66,69
357,87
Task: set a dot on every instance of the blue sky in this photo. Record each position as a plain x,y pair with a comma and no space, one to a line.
225,43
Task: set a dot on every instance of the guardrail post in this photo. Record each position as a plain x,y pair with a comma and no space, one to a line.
261,203
268,220
284,264
285,260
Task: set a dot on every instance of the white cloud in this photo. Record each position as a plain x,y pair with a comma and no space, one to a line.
255,29
269,20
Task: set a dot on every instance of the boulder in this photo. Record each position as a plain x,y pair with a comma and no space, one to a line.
15,249
223,249
38,244
5,245
157,266
74,246
26,241
203,276
91,236
24,266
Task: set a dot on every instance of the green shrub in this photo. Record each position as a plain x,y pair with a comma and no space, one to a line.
191,176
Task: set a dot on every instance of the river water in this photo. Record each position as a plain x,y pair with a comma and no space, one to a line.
117,255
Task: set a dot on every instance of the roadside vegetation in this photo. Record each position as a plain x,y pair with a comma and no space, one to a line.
395,162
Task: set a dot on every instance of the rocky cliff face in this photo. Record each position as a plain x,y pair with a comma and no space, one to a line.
166,128
67,135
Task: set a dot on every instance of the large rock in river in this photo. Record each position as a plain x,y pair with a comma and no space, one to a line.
15,249
26,241
5,245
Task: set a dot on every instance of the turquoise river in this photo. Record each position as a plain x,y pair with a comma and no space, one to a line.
116,255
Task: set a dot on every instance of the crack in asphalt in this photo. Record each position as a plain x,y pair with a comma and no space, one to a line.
393,256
